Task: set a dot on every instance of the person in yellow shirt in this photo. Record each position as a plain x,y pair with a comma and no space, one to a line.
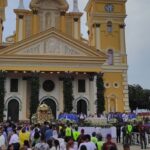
23,135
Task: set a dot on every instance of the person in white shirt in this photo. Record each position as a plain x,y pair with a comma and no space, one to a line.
2,139
14,139
89,145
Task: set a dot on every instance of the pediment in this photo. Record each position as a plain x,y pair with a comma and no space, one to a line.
52,43
50,46
51,50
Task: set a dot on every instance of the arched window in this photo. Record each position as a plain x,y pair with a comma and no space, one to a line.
110,56
109,26
48,20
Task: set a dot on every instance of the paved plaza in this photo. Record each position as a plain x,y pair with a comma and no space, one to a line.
133,147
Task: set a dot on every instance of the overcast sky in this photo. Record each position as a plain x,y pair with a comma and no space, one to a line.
137,36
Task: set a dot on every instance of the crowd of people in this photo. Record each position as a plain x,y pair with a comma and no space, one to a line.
25,136
134,133
50,137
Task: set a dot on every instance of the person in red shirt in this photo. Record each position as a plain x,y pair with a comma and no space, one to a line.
109,145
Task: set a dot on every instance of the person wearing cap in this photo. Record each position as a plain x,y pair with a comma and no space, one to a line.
108,145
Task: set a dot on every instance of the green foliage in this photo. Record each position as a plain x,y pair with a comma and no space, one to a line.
34,99
2,94
100,94
68,94
138,97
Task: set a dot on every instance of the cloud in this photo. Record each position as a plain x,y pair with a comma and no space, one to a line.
137,41
137,36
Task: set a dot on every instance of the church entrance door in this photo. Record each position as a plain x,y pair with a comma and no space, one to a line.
13,110
51,103
82,107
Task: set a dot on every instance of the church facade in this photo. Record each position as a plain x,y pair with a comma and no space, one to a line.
48,43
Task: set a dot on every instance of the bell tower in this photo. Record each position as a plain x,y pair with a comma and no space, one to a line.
106,31
3,4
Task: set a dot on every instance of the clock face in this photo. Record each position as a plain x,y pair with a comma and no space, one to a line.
109,7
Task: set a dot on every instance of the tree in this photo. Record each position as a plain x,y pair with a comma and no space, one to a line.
100,94
132,100
68,93
34,99
138,97
2,94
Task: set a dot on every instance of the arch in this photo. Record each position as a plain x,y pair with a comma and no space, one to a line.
16,98
81,107
52,103
109,26
75,102
13,110
110,54
112,103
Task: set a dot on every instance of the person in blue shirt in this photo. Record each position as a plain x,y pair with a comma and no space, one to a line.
48,133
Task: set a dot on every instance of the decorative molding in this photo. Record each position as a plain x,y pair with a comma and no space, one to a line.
107,84
116,84
35,11
122,26
75,19
54,64
97,25
62,13
20,16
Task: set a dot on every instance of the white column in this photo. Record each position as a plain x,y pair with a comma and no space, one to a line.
61,97
1,30
97,38
20,27
122,39
24,99
76,28
92,94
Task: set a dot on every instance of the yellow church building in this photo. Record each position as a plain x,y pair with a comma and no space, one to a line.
48,43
